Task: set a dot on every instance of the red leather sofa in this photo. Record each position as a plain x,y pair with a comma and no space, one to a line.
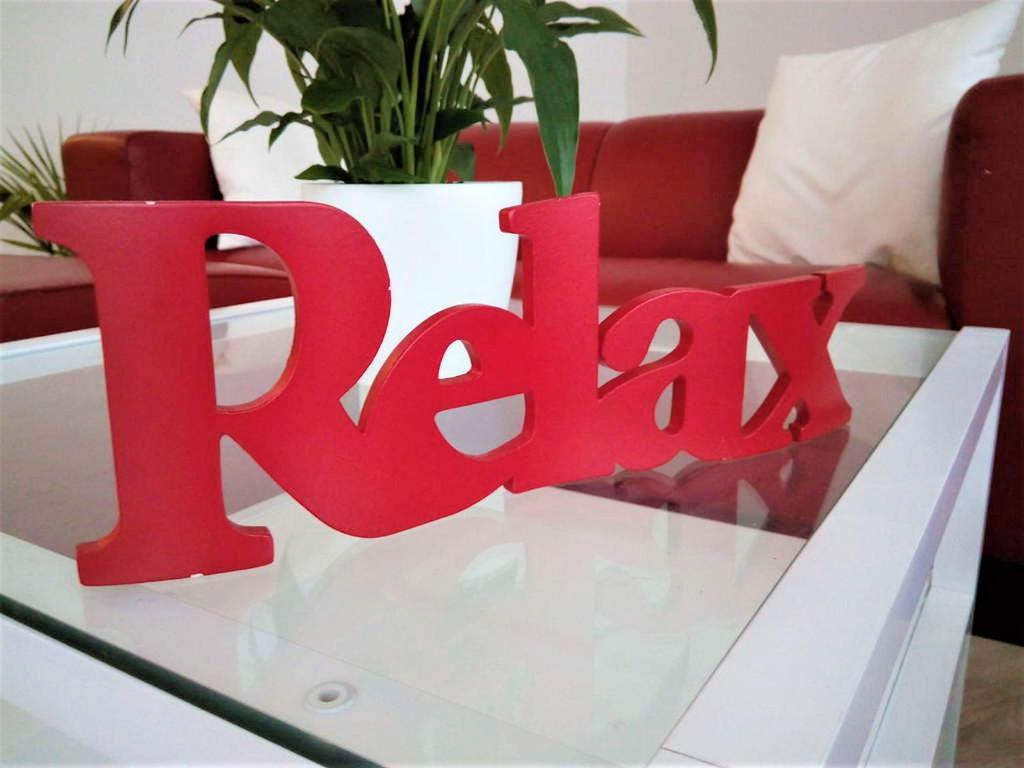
667,187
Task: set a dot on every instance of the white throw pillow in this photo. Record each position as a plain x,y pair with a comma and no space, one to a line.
244,168
848,160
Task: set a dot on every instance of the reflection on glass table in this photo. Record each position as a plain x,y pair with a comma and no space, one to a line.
783,491
788,491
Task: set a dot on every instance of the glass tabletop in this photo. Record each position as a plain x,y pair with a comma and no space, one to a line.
563,624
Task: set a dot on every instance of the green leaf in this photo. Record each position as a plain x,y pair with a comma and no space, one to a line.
324,141
342,48
497,75
444,20
463,162
293,61
244,37
265,119
14,203
376,170
298,23
123,12
384,142
596,20
43,157
29,173
358,13
289,118
220,63
366,80
706,11
40,245
197,19
325,173
127,26
451,121
23,223
325,97
498,103
551,67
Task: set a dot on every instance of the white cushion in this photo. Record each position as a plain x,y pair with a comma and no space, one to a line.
244,168
848,160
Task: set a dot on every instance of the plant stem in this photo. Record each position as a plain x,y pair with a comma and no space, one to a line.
394,23
410,105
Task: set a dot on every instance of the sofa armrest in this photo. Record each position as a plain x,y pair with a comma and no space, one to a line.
981,238
138,165
981,258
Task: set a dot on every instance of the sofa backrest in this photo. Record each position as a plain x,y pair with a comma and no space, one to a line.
667,183
139,165
522,157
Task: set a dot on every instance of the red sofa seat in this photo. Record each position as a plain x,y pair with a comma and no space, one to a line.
40,296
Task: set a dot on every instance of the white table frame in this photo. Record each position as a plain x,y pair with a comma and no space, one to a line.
867,675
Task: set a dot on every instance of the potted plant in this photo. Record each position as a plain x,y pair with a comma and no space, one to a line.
386,86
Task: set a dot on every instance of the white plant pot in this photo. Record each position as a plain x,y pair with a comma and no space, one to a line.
442,247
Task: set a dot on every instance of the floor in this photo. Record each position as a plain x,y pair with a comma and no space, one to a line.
992,719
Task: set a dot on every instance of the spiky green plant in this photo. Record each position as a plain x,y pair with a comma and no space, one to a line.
28,173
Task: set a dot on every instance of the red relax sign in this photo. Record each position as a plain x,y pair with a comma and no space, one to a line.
394,469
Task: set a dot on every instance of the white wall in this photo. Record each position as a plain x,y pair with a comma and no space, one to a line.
666,69
54,66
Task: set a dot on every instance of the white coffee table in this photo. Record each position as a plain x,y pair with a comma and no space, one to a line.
550,627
